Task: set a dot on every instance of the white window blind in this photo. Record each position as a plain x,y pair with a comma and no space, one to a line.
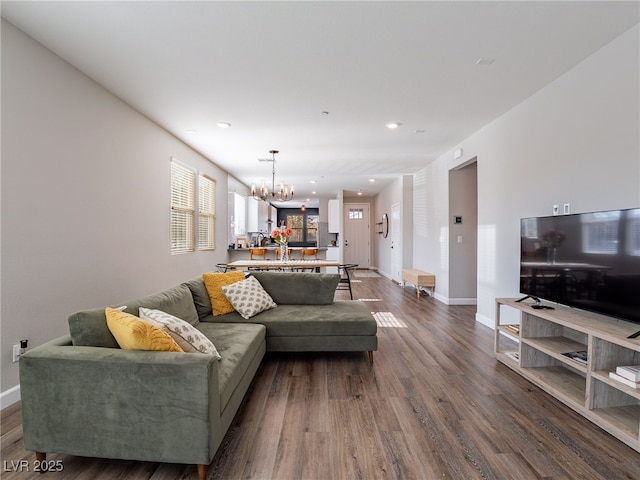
206,213
183,181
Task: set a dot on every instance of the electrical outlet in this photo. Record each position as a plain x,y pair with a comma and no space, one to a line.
567,208
19,349
556,208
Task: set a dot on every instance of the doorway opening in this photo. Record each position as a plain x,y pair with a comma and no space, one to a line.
463,234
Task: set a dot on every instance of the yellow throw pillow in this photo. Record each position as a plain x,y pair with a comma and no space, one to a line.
214,283
131,333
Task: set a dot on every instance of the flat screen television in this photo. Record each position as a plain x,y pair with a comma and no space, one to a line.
589,261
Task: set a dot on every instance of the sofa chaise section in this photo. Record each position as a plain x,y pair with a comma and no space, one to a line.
307,318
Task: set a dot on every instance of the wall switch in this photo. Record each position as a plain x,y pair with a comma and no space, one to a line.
567,208
556,209
459,238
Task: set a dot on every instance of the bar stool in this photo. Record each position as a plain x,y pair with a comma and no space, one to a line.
309,252
258,252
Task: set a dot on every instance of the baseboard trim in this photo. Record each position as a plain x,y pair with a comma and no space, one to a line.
455,301
9,397
485,321
463,301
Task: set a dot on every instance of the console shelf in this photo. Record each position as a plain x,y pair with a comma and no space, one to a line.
536,351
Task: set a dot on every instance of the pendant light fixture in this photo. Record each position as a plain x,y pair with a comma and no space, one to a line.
281,195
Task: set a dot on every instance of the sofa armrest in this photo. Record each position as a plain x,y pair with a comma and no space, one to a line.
113,403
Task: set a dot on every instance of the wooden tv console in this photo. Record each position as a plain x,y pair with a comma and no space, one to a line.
534,349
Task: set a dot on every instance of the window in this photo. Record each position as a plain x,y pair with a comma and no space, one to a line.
303,224
312,228
356,214
183,181
240,217
206,213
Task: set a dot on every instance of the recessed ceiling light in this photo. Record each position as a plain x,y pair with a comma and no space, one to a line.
419,131
360,193
325,113
190,132
223,124
313,181
372,179
392,125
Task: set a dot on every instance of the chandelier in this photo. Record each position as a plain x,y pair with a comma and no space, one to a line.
281,195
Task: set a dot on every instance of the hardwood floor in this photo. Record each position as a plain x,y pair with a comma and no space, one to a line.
435,405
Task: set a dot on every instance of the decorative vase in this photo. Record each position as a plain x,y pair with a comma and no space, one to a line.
284,253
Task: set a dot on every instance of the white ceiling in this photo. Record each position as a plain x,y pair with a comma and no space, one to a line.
272,68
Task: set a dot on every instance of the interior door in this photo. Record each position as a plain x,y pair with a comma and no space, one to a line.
357,233
396,246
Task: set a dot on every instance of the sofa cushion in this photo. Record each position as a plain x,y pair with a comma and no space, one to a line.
298,288
214,283
200,296
342,318
238,343
132,333
248,297
186,335
89,328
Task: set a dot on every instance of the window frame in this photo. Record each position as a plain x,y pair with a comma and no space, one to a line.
207,188
182,207
284,213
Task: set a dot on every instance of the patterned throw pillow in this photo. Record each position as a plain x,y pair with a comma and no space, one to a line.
213,282
186,335
248,297
131,333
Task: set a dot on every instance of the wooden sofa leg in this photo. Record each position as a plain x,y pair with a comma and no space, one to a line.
370,357
41,457
202,472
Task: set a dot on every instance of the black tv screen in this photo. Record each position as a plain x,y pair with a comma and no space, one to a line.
588,260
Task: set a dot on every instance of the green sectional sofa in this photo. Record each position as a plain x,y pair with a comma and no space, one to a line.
83,395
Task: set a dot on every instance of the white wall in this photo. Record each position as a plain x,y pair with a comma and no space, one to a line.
85,199
576,140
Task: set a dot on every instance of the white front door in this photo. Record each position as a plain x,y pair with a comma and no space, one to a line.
357,233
